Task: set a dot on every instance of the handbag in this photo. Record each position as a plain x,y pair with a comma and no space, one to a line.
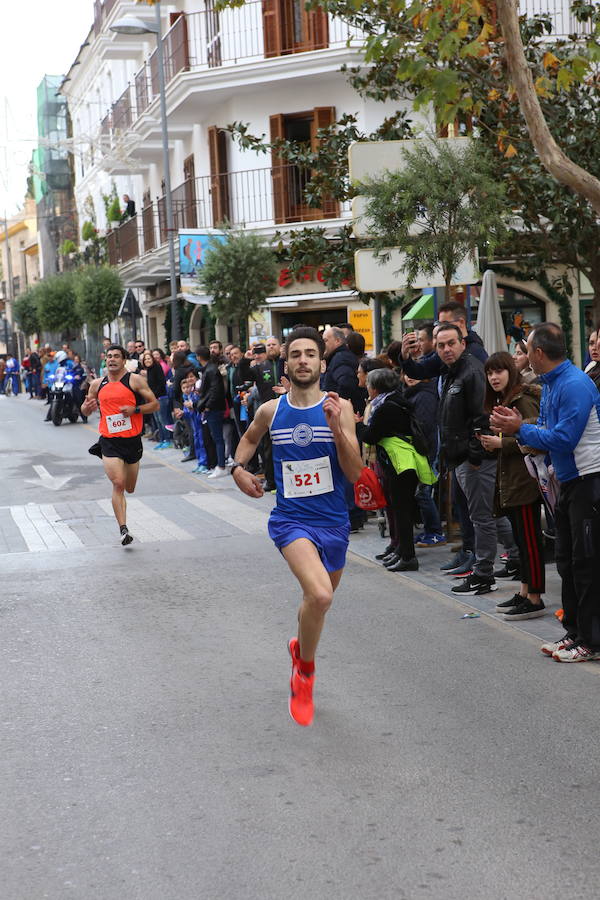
367,491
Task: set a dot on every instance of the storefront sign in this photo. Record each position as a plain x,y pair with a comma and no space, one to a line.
308,280
362,321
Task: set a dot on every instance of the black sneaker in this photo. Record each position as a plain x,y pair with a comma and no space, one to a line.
391,560
126,538
525,610
510,569
405,565
509,605
385,552
476,584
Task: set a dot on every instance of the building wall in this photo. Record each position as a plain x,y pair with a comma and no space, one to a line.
197,99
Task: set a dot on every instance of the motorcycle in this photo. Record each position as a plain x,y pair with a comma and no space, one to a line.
63,403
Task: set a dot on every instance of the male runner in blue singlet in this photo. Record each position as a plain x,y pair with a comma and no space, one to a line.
314,447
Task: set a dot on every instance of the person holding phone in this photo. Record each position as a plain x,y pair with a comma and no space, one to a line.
461,412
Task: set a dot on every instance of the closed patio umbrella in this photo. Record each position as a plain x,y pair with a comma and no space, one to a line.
490,327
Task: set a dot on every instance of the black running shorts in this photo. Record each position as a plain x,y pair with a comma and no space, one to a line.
129,449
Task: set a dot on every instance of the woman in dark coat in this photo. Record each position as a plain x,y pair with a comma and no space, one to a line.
390,428
517,495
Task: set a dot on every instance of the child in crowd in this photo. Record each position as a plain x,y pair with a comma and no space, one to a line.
194,421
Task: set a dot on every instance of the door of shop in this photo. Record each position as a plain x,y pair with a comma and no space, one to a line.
317,318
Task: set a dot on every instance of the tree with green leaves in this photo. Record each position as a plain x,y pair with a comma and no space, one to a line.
443,53
98,292
239,273
25,310
439,207
554,225
57,304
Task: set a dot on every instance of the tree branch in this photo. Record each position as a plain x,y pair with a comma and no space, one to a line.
551,156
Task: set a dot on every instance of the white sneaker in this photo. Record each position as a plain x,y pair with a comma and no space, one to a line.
218,473
551,647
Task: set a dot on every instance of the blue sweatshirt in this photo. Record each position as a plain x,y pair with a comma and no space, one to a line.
568,427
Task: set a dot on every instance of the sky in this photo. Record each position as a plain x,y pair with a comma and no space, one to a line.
37,38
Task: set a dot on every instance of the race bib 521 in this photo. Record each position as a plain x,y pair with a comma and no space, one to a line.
307,477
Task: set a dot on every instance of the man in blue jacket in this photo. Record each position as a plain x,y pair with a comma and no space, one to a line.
568,428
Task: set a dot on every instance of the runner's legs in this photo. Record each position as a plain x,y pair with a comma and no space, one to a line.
115,469
317,586
131,476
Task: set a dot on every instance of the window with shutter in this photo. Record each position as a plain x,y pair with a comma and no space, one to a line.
288,27
278,171
213,34
323,117
190,218
272,27
219,179
291,181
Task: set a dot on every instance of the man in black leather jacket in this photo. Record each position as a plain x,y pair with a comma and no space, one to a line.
431,366
211,402
461,418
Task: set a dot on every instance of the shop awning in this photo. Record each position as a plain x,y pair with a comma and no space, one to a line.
422,309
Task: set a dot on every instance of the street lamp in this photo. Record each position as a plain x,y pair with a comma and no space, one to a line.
133,25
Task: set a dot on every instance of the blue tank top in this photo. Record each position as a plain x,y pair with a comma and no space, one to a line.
306,467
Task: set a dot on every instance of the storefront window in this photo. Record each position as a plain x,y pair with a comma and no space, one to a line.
520,312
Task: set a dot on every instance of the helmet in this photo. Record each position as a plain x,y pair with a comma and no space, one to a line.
60,357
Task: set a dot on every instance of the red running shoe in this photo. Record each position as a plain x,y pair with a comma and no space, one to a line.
300,703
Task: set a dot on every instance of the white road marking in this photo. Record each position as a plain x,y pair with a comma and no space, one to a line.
69,538
40,528
52,482
251,521
146,525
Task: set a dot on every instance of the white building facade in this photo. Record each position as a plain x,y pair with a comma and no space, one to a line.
270,64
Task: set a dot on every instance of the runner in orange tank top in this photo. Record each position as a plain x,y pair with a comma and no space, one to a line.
122,399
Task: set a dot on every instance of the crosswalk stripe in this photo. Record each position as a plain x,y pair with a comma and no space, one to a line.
251,521
29,532
40,528
65,533
146,525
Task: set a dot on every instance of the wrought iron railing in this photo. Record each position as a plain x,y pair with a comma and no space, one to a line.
210,39
563,22
251,198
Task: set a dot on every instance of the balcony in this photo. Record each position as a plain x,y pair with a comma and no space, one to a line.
563,23
209,40
259,198
123,243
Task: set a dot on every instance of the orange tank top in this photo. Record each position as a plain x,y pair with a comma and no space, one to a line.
111,396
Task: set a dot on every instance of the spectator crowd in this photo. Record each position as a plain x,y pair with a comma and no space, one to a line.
508,447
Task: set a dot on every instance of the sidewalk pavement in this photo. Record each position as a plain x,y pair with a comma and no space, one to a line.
367,542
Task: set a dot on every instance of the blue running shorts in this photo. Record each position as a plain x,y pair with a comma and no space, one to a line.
331,543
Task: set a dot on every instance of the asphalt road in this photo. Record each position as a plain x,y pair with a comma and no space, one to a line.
146,750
